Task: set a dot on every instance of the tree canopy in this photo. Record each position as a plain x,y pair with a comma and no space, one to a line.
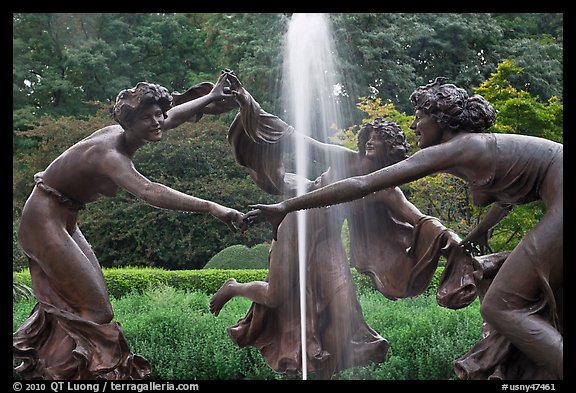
69,67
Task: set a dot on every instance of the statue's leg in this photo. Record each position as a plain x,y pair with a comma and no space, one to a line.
69,334
520,302
282,274
63,274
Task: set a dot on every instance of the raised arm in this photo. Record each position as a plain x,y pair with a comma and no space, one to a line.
314,149
183,112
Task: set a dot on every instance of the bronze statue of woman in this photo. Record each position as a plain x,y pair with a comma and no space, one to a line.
524,301
69,334
337,334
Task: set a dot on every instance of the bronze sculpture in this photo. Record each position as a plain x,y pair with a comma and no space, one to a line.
69,334
338,337
523,303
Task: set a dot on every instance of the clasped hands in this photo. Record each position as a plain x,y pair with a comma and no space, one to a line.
272,213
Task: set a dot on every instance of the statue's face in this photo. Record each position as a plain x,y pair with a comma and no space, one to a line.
148,123
426,129
376,148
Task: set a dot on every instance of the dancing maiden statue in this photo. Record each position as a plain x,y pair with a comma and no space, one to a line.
338,337
69,334
521,302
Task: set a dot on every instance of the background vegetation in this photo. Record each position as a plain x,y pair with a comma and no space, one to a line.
68,69
170,315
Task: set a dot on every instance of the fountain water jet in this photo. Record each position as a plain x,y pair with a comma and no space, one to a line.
309,79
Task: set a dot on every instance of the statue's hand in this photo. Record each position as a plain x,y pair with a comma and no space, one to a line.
477,243
233,80
221,89
232,218
236,89
224,100
274,214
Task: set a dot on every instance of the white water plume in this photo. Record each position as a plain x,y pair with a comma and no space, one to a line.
309,84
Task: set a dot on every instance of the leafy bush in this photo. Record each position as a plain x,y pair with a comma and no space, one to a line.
240,256
122,281
175,331
424,338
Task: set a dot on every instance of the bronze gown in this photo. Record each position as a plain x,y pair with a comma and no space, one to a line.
99,351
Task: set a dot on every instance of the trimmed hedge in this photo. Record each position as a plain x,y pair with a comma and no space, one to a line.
239,256
122,281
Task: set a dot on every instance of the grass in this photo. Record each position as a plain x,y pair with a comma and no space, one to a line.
175,331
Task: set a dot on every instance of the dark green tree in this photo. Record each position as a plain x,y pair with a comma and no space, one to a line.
534,42
388,55
251,45
65,61
67,66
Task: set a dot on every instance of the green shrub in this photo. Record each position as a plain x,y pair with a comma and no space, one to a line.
424,338
121,281
175,331
240,256
22,277
363,282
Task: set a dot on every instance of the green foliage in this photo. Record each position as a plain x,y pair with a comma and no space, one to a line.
535,43
21,310
52,137
424,338
63,61
19,260
122,281
512,229
251,44
175,331
21,291
446,197
239,256
126,280
373,108
518,111
388,55
22,277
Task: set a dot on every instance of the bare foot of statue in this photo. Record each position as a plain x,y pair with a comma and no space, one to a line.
222,296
